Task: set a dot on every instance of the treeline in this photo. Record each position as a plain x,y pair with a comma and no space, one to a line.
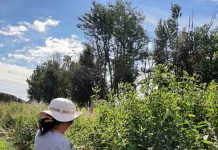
4,97
194,50
65,79
117,46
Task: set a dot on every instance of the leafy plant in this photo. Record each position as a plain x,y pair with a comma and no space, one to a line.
173,113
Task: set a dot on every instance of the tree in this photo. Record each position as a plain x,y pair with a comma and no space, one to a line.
85,78
51,82
172,28
206,40
98,26
167,39
48,81
161,55
184,53
130,40
194,51
116,33
35,83
65,76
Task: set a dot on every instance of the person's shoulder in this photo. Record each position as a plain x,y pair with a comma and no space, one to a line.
54,141
60,138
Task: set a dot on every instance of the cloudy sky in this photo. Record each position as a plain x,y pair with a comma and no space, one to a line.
32,30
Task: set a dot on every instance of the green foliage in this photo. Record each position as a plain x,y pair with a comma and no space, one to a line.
68,79
166,112
84,78
172,114
24,132
116,32
160,46
206,42
4,145
9,98
192,49
81,129
49,80
19,122
166,41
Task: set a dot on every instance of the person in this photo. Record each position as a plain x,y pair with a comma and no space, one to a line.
53,124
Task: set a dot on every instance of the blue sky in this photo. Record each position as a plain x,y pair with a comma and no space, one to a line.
32,30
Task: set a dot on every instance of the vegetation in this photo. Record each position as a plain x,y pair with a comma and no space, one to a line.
117,45
193,50
8,98
174,107
117,42
169,114
4,145
18,124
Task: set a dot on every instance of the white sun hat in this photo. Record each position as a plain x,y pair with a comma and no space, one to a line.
61,109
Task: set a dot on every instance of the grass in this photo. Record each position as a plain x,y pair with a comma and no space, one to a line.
13,117
4,145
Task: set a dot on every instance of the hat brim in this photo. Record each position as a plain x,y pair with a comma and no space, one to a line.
60,116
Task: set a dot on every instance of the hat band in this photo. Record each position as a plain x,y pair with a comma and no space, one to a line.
60,110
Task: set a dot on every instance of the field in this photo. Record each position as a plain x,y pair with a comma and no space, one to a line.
177,115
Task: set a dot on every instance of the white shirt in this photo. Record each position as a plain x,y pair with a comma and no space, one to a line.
52,141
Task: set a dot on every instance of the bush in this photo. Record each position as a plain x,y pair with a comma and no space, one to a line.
166,113
173,113
19,120
5,145
81,129
24,132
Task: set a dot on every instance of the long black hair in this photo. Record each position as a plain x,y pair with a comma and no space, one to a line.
46,124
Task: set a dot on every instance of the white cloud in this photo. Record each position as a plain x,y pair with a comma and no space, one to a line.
42,26
66,46
19,57
1,45
13,30
13,79
21,28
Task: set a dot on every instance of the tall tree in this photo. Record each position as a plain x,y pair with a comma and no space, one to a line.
48,81
172,27
161,55
85,78
51,81
206,40
166,41
129,42
35,83
98,26
116,33
194,51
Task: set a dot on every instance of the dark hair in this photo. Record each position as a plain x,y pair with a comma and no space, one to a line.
46,124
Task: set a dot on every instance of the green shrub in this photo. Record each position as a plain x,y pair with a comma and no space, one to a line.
80,131
7,120
24,132
4,145
19,120
173,113
166,113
